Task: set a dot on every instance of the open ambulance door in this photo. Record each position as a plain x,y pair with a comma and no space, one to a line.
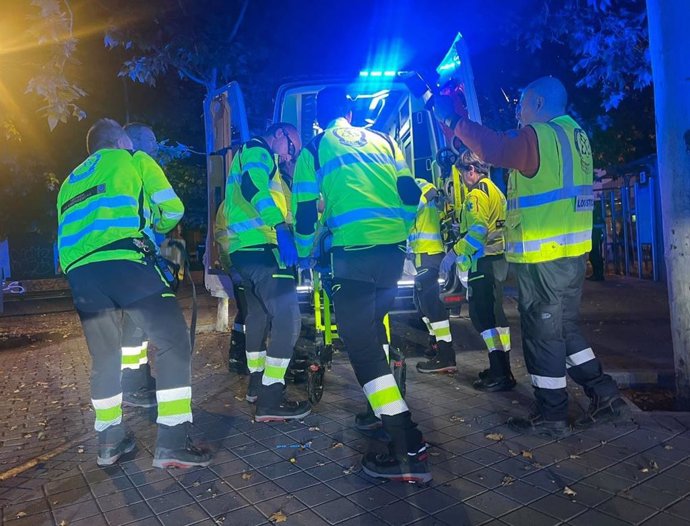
225,122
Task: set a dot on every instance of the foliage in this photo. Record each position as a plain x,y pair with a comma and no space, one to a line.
26,186
188,178
196,41
51,28
607,37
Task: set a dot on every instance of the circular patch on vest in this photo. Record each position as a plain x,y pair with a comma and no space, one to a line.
350,137
583,148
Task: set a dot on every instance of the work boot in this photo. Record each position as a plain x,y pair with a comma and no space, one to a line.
601,410
432,347
272,405
112,444
253,386
499,377
140,398
404,468
535,424
367,420
175,449
237,357
444,362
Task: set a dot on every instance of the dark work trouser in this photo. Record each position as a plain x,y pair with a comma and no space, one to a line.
241,301
364,288
426,296
272,311
136,371
102,292
485,296
549,303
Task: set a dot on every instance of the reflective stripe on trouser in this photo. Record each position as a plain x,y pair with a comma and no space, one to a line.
384,396
256,361
108,411
442,330
428,325
272,312
549,301
238,327
275,370
174,406
492,339
504,334
135,357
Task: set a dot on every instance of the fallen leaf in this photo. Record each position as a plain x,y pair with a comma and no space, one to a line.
570,493
21,514
335,445
507,480
314,429
293,460
527,454
196,483
512,453
644,470
653,465
350,470
434,453
80,449
456,418
278,516
574,456
246,475
514,402
494,436
668,447
64,523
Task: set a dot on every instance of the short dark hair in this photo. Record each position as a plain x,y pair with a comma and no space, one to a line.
331,103
273,128
104,133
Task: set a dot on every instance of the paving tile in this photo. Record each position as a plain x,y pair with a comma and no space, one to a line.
609,483
309,518
462,515
492,503
296,482
353,483
488,477
39,519
229,468
665,519
30,507
189,514
366,519
224,503
328,471
558,506
649,496
169,501
192,478
521,492
288,504
315,495
261,492
74,512
106,487
95,520
65,484
668,484
163,487
528,515
244,479
372,498
399,513
120,499
131,513
588,495
338,510
150,476
597,518
627,510
680,509
247,516
461,489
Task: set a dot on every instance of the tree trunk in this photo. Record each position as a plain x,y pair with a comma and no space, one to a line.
669,42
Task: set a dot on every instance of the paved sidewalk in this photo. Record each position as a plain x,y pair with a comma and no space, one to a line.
637,472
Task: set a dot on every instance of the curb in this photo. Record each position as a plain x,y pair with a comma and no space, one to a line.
643,377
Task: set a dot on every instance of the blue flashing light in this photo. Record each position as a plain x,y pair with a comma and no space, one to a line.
363,73
389,73
376,73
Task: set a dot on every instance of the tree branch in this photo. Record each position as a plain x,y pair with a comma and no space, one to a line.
240,17
192,76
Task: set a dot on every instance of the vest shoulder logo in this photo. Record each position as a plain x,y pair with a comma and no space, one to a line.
350,137
584,149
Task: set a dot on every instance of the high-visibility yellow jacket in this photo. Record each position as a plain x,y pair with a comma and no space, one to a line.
426,232
113,195
550,215
357,171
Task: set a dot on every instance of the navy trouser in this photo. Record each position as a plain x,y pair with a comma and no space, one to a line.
549,304
364,287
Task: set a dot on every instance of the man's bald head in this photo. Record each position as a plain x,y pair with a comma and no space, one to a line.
542,100
142,137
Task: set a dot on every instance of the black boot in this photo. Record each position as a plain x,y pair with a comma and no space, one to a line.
271,405
237,357
175,449
432,347
367,420
407,460
535,424
603,409
499,376
138,387
253,386
112,444
444,362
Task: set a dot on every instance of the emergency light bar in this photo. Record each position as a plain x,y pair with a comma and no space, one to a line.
401,283
367,73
